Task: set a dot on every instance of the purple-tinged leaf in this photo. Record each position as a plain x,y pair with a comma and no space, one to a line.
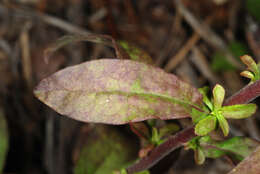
239,111
117,91
250,165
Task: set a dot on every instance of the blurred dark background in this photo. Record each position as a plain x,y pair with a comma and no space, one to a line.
200,41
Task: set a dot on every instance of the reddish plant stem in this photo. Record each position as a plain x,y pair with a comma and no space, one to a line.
245,95
161,151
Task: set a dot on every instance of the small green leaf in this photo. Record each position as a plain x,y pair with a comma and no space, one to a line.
197,115
204,91
208,145
223,124
252,66
218,96
205,126
193,143
239,111
248,74
155,136
199,156
168,129
240,146
237,147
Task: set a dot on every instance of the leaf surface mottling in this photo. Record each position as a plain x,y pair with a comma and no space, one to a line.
116,91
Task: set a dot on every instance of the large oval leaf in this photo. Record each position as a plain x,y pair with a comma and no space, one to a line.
117,92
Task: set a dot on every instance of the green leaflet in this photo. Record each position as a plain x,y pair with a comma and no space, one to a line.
204,92
169,128
236,147
254,72
239,111
218,96
223,124
117,91
199,156
197,115
158,134
205,126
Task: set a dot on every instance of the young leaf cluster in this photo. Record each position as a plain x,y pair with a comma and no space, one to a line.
215,114
253,71
205,147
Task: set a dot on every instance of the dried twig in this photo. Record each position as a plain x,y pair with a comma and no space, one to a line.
50,20
207,34
201,63
174,40
174,61
26,57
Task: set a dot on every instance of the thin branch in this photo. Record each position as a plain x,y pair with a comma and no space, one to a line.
50,20
161,151
176,59
206,33
245,95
